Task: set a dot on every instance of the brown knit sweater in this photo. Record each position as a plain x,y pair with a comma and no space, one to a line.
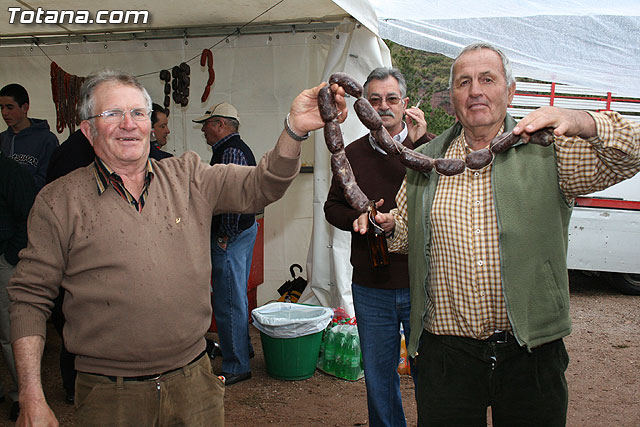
137,284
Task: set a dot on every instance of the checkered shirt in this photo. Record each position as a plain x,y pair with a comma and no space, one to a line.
465,278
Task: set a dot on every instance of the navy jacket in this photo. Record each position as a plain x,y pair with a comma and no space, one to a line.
17,192
32,148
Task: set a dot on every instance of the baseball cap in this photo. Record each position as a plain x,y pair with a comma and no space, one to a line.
223,109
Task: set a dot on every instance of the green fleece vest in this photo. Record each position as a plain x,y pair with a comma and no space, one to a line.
533,219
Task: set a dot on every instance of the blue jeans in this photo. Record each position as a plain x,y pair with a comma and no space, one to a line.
379,313
229,274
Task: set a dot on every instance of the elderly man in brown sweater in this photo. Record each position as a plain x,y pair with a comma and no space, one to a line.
136,324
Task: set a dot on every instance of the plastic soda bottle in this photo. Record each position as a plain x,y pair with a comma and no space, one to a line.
403,366
328,364
348,352
341,346
354,353
320,361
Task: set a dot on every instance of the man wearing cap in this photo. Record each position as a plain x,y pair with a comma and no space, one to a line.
232,240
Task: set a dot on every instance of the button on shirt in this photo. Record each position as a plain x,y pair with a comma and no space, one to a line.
465,275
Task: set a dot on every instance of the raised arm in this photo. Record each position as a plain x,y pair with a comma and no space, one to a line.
593,150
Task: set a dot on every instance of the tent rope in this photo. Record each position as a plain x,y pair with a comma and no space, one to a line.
235,32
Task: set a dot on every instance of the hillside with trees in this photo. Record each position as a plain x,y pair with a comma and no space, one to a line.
427,76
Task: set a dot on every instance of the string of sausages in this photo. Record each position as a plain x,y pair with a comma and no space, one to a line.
65,89
180,84
206,58
341,168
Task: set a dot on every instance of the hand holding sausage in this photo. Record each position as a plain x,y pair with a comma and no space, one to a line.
305,115
563,121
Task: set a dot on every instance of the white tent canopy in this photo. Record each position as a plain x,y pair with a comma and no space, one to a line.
588,43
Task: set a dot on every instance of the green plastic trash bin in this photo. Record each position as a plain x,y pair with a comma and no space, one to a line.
291,335
291,358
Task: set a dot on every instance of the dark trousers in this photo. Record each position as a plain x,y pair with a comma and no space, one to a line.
461,377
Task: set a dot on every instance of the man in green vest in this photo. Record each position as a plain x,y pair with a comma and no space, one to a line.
487,249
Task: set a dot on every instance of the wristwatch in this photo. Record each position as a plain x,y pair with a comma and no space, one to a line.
291,133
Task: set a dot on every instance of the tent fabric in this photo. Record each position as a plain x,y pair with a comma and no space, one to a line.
185,13
586,43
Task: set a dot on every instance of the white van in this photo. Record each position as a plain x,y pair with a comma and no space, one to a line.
604,232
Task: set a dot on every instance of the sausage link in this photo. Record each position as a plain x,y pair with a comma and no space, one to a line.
502,142
349,85
203,57
385,141
205,94
367,114
356,198
449,167
165,76
327,105
341,169
479,159
416,161
333,137
544,137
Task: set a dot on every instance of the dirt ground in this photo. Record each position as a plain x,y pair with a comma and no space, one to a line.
603,375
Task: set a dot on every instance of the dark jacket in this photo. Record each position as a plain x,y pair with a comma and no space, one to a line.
158,154
379,176
76,152
246,220
31,147
17,192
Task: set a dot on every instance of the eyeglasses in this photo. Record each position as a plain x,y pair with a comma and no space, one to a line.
116,115
376,101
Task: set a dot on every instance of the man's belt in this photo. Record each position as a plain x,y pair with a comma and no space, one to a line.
501,337
152,377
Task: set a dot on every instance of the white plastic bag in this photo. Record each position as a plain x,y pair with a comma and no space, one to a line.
290,320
